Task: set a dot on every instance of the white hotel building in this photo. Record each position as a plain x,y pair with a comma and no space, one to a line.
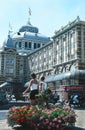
61,60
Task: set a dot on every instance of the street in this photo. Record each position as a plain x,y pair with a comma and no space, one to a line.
3,114
81,118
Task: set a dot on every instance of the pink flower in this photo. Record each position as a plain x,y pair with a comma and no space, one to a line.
49,128
55,119
50,123
59,121
42,117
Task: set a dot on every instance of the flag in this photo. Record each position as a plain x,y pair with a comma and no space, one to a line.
30,11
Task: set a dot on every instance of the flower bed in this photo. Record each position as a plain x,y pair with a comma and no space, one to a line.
35,118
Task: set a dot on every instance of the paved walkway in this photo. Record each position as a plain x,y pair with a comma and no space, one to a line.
4,125
80,124
81,118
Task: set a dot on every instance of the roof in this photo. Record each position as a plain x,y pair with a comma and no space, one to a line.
30,32
9,42
29,28
31,36
26,32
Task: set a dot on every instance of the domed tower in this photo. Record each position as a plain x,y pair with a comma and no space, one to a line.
28,39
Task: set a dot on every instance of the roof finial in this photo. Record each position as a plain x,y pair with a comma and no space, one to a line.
30,11
10,29
78,18
29,16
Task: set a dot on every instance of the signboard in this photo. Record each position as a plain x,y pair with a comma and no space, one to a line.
81,88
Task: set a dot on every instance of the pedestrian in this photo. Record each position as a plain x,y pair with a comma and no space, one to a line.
33,88
55,96
42,84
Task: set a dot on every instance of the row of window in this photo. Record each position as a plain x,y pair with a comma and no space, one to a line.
29,45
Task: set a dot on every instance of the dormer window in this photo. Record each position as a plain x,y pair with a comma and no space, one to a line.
18,33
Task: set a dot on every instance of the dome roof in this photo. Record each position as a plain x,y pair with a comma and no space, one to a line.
27,32
29,28
9,42
30,32
31,36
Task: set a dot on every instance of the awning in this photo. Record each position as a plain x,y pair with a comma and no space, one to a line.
63,76
76,74
4,84
49,78
26,84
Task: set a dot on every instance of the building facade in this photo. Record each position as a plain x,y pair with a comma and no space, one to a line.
61,61
14,67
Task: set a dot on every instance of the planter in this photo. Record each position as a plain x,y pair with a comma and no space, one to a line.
39,117
28,128
35,118
21,128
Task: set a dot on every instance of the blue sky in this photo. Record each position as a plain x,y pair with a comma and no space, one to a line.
47,15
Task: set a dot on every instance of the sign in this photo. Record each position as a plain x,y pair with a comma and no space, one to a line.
81,88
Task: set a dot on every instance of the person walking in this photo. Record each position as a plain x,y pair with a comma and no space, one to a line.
42,84
33,88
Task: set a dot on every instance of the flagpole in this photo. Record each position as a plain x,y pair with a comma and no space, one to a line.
29,16
10,29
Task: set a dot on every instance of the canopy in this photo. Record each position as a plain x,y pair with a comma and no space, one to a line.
4,84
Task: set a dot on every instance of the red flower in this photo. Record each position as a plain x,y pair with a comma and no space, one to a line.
29,114
22,119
